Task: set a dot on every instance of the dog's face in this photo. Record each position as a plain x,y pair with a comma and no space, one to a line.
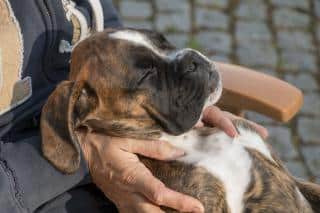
127,83
141,79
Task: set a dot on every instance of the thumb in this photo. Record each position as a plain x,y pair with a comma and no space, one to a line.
157,149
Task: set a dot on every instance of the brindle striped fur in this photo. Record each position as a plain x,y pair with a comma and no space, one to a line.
96,98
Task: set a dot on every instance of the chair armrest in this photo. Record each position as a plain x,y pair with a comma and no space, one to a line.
246,89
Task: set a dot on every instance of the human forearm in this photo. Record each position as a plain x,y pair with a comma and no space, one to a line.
111,17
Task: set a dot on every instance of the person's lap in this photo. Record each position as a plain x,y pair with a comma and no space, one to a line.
79,200
84,198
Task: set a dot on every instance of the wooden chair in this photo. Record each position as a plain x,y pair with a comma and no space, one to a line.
246,89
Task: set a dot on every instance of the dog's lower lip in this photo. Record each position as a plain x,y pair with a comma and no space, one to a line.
212,88
211,73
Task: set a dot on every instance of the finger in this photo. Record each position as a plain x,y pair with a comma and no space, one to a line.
145,206
127,201
231,116
181,202
211,115
214,116
227,126
199,124
159,194
260,129
160,150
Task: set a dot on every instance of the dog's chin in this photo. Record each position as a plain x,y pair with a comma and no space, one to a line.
216,94
212,99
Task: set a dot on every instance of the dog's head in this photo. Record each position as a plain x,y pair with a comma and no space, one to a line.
127,83
131,83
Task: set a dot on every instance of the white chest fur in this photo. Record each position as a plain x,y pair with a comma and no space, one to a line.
226,158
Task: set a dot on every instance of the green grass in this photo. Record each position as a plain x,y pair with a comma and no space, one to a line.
194,44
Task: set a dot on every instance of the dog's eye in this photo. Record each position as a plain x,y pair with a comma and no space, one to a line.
145,65
146,69
192,67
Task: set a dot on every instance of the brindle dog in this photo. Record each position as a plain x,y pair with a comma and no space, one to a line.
134,83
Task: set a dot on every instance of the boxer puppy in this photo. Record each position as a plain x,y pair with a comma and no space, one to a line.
134,83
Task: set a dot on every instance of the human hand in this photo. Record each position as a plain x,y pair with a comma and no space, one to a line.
116,170
213,116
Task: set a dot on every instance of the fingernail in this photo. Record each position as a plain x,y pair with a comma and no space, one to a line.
233,134
178,153
198,210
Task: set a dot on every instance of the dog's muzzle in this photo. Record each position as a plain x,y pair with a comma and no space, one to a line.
194,61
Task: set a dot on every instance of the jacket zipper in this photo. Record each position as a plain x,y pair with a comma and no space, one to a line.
53,28
71,10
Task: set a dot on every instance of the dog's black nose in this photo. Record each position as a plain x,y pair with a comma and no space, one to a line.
191,61
191,66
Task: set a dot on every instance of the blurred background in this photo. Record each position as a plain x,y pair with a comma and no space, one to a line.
278,37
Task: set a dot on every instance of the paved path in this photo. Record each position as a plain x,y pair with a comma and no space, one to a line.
277,37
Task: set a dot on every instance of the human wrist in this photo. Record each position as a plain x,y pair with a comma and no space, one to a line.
86,149
91,146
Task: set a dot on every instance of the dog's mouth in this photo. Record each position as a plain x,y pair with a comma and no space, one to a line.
214,96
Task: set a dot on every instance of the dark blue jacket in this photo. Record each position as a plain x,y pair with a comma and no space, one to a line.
27,180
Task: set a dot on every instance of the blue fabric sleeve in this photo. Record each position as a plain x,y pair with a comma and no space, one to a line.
27,180
111,17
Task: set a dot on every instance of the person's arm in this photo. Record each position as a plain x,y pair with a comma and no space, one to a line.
27,180
117,171
111,17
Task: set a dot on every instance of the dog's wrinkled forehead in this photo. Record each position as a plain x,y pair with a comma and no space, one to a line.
153,41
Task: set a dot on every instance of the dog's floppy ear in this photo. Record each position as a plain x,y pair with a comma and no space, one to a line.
311,192
58,121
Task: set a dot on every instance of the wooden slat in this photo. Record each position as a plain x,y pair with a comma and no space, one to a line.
246,89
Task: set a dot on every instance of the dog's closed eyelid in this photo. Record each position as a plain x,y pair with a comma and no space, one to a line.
144,64
144,76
